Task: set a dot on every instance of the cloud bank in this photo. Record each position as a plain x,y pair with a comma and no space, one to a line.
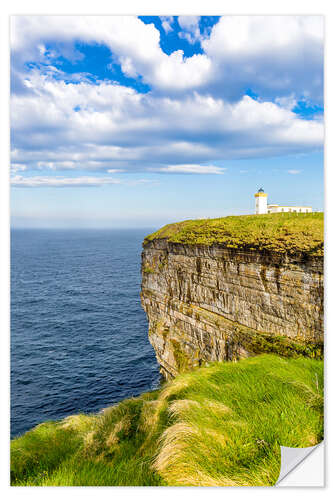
234,99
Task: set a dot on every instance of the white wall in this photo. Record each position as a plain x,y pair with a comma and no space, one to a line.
274,210
261,204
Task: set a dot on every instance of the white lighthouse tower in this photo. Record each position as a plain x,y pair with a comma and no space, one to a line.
261,201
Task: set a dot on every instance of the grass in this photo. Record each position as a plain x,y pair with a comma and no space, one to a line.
281,233
215,426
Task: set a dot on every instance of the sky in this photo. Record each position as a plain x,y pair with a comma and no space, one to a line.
122,121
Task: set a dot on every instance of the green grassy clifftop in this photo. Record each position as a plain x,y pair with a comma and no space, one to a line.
220,425
288,233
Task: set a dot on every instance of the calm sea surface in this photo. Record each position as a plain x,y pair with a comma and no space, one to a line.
79,337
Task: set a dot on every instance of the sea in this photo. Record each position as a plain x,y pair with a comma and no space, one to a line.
79,336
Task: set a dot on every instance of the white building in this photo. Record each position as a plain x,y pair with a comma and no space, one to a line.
261,206
261,202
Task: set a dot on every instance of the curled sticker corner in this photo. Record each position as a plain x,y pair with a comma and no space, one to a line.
291,458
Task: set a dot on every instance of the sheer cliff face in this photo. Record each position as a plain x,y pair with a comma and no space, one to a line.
211,303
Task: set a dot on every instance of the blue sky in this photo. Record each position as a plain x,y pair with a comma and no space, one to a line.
140,121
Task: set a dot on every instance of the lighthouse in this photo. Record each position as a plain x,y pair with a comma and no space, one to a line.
261,201
261,206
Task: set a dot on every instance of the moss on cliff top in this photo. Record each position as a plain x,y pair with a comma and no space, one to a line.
281,233
220,425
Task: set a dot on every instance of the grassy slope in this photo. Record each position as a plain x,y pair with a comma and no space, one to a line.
219,425
281,233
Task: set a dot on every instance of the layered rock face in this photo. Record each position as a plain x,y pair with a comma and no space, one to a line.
209,303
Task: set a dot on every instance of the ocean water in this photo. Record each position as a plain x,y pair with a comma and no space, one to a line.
79,337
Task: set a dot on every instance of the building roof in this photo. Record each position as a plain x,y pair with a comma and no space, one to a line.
289,206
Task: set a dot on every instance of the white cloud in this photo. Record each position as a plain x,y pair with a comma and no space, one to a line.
287,102
189,23
294,172
135,45
190,27
18,167
275,55
109,128
166,23
193,169
19,181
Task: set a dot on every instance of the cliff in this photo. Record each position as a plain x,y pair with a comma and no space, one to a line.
223,289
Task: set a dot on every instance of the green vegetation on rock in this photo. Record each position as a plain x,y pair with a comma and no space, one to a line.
220,425
281,233
256,342
148,270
